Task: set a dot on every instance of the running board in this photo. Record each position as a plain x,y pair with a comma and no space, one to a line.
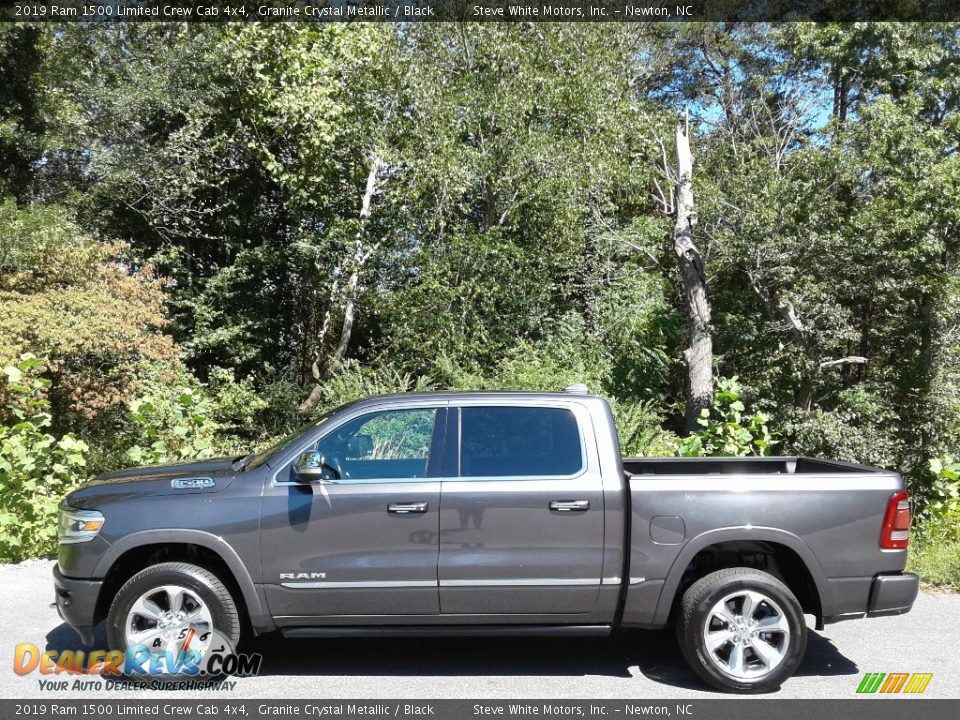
447,631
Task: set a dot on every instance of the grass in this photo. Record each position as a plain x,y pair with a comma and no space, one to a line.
936,562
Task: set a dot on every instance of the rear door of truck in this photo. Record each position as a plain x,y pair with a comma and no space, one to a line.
522,515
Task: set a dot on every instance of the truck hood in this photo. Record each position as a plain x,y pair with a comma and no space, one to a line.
152,480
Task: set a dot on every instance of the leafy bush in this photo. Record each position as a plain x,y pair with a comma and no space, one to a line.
863,428
32,237
730,433
177,417
935,544
174,426
237,407
940,516
79,305
354,381
639,430
562,358
36,468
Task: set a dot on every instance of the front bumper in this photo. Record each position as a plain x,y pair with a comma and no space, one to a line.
77,603
893,594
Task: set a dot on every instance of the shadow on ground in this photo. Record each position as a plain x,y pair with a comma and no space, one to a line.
63,637
654,653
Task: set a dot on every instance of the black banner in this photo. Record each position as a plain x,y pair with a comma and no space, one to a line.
476,10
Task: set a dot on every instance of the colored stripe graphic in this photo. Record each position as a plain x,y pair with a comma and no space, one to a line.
894,682
918,683
870,683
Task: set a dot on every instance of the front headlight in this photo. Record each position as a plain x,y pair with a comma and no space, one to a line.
77,526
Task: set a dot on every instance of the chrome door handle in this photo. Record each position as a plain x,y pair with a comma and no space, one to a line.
406,508
570,505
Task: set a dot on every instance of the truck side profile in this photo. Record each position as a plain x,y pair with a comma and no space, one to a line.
499,513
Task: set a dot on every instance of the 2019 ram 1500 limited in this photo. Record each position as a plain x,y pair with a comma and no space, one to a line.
512,513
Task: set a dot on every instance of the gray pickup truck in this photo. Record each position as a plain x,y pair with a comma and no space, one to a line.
493,513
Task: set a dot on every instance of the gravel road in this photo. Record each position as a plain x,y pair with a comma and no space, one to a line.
630,665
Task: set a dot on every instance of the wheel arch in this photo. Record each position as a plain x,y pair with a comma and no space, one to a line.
135,552
806,574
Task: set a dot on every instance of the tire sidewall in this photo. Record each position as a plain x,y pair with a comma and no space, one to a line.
693,642
224,621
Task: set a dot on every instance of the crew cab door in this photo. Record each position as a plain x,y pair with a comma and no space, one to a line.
521,520
365,542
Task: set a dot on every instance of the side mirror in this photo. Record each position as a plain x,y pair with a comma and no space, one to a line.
311,469
360,446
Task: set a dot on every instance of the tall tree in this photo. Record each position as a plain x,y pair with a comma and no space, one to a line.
21,115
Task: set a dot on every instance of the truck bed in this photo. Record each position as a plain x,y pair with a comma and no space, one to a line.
826,515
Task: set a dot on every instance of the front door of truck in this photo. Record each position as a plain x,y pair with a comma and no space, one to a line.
365,541
521,524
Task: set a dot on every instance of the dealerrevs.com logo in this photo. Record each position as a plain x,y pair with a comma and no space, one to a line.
893,683
140,666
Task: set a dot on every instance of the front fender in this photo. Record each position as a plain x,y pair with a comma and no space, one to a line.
259,618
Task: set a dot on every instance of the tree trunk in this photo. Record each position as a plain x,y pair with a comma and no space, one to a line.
588,284
698,355
840,80
361,253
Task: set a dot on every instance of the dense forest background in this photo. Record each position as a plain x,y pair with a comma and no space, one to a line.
210,233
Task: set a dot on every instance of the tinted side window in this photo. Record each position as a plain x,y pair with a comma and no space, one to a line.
518,441
394,444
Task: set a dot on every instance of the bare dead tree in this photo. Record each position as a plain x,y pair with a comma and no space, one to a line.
698,355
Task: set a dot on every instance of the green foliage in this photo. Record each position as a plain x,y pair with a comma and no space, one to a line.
940,517
640,430
173,425
936,561
31,239
862,428
75,303
726,431
176,417
22,105
238,408
36,467
355,381
519,169
564,357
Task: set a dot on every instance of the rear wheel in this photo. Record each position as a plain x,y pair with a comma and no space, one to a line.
178,612
741,630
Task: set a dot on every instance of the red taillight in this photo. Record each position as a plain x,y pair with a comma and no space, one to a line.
896,523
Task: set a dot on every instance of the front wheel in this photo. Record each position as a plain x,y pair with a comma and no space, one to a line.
741,630
172,617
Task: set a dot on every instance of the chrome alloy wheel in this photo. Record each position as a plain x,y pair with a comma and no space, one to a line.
746,635
170,619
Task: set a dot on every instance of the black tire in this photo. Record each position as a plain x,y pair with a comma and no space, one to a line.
697,606
208,587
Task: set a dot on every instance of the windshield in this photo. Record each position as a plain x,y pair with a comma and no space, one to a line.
261,457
